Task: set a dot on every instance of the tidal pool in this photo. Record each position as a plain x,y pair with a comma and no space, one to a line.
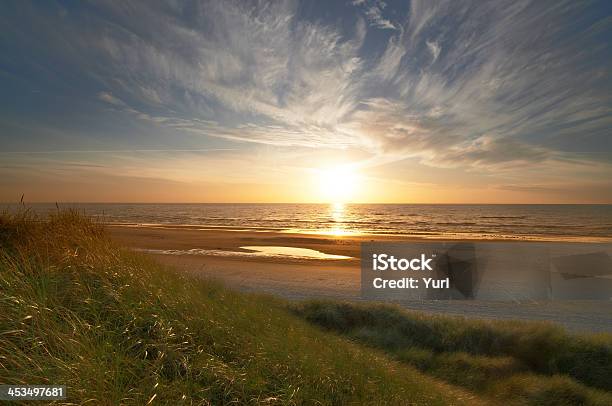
292,252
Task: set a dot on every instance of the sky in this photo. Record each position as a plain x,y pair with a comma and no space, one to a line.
364,101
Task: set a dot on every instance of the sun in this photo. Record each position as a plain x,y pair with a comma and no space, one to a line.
338,184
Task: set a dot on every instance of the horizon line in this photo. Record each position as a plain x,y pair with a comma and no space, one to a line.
317,203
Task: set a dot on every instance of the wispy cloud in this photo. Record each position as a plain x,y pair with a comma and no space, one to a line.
109,98
475,85
373,10
274,79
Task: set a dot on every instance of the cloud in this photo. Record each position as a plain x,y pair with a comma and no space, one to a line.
490,151
434,48
273,78
109,98
373,11
374,14
293,81
462,84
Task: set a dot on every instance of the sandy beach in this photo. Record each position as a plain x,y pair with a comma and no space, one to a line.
221,257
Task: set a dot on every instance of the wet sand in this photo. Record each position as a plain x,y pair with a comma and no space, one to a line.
299,278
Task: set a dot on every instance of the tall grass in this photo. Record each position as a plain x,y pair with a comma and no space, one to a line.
534,363
117,328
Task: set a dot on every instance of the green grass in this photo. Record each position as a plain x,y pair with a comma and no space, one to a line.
526,363
117,328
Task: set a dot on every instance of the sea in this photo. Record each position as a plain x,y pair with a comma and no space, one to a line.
453,221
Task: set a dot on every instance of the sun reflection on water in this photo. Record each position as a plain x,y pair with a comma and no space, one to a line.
337,211
334,224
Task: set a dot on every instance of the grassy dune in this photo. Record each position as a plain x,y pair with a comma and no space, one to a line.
532,363
117,328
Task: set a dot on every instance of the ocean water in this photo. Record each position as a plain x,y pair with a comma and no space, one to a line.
564,222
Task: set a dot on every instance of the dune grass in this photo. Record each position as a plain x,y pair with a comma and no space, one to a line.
521,362
117,328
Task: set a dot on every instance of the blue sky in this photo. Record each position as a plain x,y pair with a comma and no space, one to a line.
450,101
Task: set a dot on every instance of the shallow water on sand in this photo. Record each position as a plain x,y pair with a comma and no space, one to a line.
253,251
293,252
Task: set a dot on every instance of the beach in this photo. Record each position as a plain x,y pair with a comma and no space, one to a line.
217,254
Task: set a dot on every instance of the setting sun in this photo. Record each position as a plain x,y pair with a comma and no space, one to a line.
338,184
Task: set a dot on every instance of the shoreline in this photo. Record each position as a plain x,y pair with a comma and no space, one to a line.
361,236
